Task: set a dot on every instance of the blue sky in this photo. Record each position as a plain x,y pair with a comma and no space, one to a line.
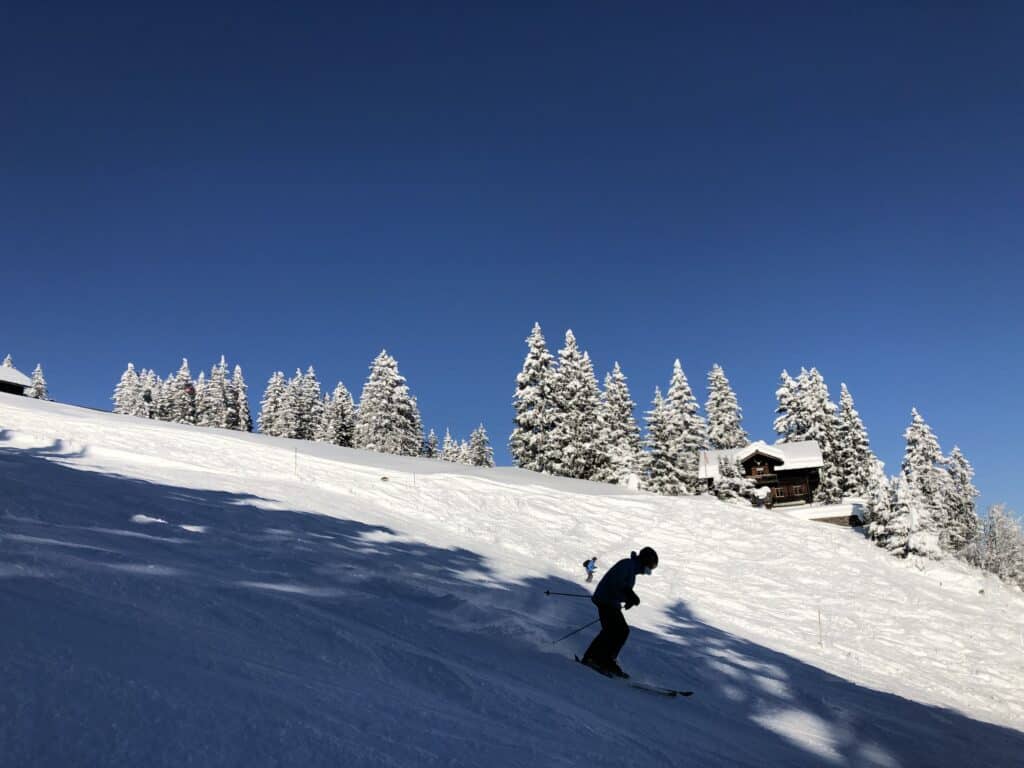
763,187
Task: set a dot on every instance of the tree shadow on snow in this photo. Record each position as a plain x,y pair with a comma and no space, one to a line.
162,625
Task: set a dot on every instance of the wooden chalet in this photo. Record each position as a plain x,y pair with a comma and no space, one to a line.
789,470
13,381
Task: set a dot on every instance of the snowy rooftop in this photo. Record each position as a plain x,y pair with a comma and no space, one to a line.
804,454
14,376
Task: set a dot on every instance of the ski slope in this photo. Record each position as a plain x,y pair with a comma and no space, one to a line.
172,595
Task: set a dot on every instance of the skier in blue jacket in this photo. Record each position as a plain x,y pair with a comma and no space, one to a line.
614,591
591,566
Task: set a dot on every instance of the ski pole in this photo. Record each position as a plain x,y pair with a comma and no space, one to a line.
575,631
565,594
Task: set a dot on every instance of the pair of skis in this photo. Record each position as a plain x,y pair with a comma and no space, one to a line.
646,687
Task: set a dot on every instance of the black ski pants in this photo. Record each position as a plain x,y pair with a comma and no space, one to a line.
611,638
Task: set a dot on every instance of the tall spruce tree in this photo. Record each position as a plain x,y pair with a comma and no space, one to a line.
692,435
816,420
725,428
8,362
338,420
618,436
959,494
534,406
571,445
1001,546
663,471
853,453
240,416
151,385
877,503
181,396
922,465
449,448
307,404
128,394
213,398
786,423
38,389
430,446
388,419
272,405
480,453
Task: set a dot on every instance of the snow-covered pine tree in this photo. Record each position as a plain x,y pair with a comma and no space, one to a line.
430,446
571,444
290,416
463,453
480,452
618,435
449,448
309,406
240,415
853,453
272,404
128,394
893,533
680,400
962,523
816,420
533,402
338,421
202,395
787,419
38,389
181,396
877,501
1001,546
922,465
151,385
219,396
725,417
732,484
388,418
8,362
663,469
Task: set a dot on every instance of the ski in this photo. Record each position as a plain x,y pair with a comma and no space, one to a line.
646,687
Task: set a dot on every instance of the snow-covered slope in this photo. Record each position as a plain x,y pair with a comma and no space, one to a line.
171,595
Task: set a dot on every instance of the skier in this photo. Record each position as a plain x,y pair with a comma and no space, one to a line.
591,566
614,590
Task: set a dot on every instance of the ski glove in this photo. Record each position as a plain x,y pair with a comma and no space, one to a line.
632,600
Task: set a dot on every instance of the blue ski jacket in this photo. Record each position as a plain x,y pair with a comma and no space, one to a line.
617,585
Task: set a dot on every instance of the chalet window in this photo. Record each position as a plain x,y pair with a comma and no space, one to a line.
799,490
758,470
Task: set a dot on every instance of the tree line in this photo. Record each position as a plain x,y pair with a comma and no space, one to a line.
386,418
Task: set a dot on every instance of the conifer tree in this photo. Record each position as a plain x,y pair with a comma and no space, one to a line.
463,452
692,430
430,447
388,419
893,531
571,444
449,448
8,362
922,465
241,399
853,453
1001,546
815,419
307,404
787,394
725,429
213,398
181,396
202,396
962,523
664,442
338,421
534,406
877,503
272,404
150,385
38,389
480,453
619,436
128,394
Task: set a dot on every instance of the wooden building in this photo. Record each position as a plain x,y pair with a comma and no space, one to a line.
13,381
789,470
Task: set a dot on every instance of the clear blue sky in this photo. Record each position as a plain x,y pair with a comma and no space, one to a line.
754,184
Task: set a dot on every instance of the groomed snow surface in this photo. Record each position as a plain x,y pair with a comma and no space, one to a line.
174,596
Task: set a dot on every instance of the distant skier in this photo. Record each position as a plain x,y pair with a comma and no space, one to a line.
591,566
614,590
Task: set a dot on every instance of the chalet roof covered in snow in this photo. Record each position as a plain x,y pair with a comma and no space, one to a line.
14,376
804,454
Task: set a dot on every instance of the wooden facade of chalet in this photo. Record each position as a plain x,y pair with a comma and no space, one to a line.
13,381
789,470
787,485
